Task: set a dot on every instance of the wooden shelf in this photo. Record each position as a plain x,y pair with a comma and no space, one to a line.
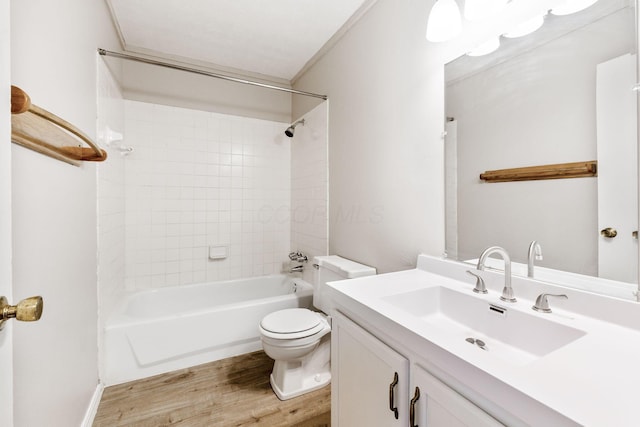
39,130
555,171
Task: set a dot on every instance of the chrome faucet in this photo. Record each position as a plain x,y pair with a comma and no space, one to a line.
298,256
297,269
480,287
542,303
507,291
535,252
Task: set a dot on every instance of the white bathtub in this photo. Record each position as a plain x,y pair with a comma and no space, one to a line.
162,330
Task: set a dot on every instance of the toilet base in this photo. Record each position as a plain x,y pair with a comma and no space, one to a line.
292,378
308,385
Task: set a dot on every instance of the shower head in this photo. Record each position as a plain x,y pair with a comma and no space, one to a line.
291,129
289,132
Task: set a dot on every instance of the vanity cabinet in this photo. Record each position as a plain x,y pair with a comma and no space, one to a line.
372,382
434,404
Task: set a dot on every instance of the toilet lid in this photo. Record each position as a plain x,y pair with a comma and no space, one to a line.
291,320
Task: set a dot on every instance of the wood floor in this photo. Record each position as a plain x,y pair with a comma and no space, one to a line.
229,392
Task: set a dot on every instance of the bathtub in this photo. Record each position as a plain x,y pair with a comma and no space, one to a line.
157,331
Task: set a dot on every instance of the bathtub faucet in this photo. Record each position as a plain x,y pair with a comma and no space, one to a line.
298,256
297,269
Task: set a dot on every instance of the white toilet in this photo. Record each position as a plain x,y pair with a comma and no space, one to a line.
298,339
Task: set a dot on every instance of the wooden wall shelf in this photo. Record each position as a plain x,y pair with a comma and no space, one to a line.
555,171
36,128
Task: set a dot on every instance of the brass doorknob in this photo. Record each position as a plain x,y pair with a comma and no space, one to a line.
27,310
609,232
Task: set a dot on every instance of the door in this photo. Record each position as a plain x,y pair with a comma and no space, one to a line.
617,169
6,349
434,404
370,380
451,188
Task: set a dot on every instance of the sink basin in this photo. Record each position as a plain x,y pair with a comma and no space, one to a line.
518,338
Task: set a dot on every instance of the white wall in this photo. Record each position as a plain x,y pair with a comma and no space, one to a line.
309,187
198,179
386,89
6,336
154,84
538,108
53,59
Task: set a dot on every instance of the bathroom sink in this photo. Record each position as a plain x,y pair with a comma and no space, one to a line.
512,335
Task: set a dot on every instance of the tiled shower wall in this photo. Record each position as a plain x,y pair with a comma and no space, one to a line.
309,181
198,179
111,202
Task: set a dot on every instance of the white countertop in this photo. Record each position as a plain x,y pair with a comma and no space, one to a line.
594,380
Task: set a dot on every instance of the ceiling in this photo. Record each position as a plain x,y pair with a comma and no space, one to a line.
274,38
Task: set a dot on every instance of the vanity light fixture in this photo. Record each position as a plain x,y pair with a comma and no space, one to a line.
526,27
572,6
477,10
486,48
444,21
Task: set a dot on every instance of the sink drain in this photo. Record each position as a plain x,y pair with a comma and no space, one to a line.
477,342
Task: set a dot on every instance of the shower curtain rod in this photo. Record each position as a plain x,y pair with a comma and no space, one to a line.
105,52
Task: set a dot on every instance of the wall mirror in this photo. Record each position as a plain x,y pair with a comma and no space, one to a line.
559,95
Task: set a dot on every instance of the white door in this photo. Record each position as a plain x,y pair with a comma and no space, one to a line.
451,188
6,349
617,169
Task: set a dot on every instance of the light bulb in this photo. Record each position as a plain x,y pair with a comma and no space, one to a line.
477,10
487,47
572,6
444,21
525,28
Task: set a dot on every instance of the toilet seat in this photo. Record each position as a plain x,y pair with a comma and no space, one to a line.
292,323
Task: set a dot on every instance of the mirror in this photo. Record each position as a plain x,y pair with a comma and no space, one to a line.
538,100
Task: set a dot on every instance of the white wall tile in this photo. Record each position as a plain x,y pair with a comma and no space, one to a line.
309,186
194,181
111,193
198,179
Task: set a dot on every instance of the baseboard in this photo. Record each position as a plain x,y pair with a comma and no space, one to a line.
92,410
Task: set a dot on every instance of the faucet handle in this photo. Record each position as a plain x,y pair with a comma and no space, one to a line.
542,304
480,287
298,256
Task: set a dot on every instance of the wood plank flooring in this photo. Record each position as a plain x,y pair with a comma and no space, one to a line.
229,392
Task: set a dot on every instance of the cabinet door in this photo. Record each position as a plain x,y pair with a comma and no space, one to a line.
433,404
370,381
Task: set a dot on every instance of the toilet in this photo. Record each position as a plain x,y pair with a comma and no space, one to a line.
298,339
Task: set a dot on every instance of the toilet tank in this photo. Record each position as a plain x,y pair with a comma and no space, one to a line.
331,268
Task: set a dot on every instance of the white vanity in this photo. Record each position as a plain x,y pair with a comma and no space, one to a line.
420,348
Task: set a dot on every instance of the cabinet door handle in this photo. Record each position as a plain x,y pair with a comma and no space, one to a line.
412,408
392,398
